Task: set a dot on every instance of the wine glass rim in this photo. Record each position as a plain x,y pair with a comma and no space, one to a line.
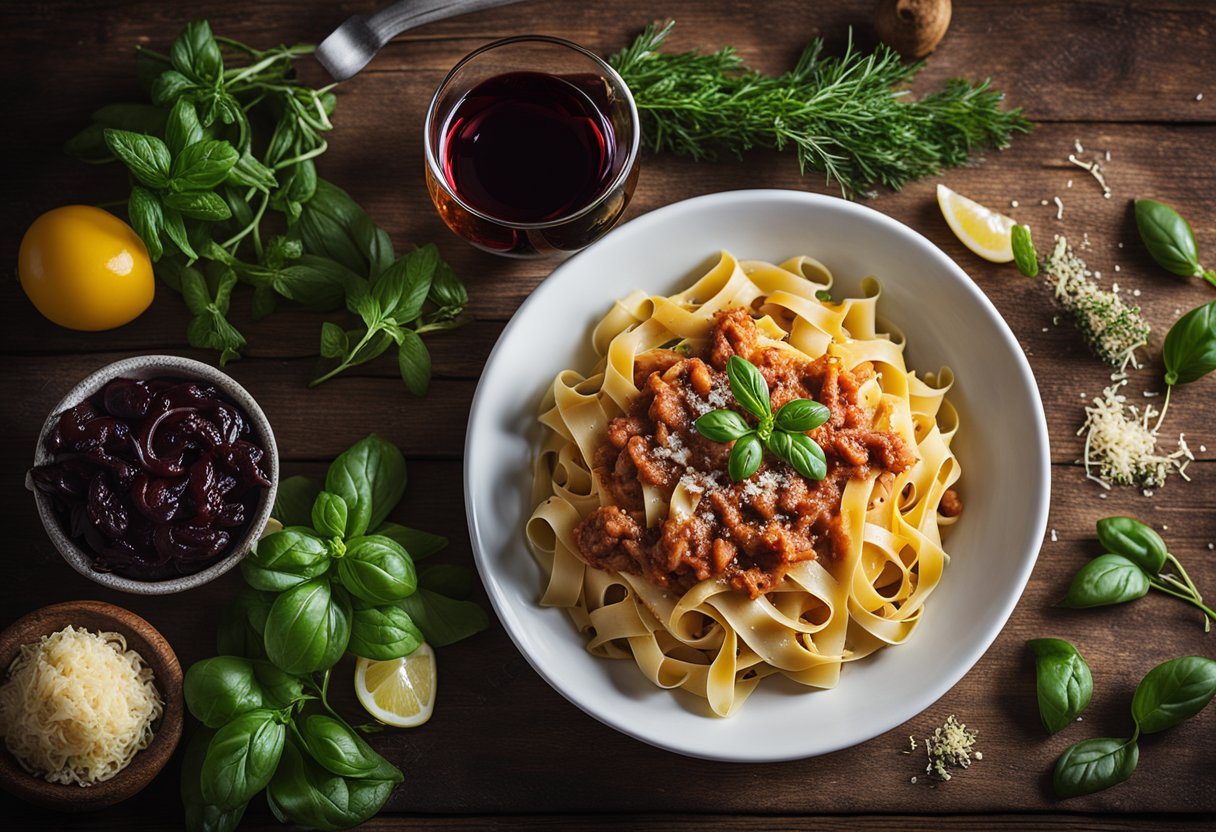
436,169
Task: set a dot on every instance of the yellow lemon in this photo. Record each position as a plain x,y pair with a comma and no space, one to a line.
398,692
981,229
84,268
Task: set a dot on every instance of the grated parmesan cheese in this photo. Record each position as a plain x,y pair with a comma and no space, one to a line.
78,706
1122,448
949,747
1113,329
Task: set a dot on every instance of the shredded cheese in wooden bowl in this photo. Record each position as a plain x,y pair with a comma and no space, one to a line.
78,706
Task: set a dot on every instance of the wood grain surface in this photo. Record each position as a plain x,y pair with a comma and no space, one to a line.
503,749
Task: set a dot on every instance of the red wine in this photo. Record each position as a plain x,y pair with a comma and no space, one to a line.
528,147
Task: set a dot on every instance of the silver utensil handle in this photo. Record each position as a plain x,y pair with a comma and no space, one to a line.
349,48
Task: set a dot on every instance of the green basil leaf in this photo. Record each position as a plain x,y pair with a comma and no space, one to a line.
301,183
721,426
421,265
745,457
199,205
196,54
377,246
1173,692
1063,682
293,500
447,292
447,579
443,620
242,624
370,476
182,128
334,343
329,515
1024,255
1093,765
414,362
337,747
279,689
304,793
147,157
317,283
285,559
1134,540
382,632
748,386
1189,351
1107,579
169,85
194,291
1168,237
308,627
801,415
202,816
264,302
281,249
221,688
418,544
801,452
377,569
202,165
144,210
241,759
327,224
176,230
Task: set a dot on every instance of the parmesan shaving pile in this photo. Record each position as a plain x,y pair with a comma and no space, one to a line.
949,747
78,706
1122,447
1113,330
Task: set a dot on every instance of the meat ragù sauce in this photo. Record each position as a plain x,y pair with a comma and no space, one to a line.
746,534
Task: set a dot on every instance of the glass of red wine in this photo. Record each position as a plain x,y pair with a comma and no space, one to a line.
531,147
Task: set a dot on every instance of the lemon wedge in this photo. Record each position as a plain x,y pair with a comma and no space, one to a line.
398,692
980,229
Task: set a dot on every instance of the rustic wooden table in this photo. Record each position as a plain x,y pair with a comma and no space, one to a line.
503,748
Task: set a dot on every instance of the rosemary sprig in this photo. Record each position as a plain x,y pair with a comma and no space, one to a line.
843,116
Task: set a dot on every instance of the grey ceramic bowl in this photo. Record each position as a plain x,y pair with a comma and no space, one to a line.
145,367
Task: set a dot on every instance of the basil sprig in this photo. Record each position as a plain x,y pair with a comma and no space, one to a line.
337,579
784,434
1169,694
1169,240
223,159
1136,562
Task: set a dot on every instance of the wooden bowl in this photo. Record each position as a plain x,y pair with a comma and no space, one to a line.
141,637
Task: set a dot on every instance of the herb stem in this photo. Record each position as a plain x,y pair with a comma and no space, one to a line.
295,160
347,363
1169,388
1207,622
288,54
257,219
1190,599
1209,275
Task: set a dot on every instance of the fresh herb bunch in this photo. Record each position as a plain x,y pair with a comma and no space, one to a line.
843,116
1169,694
1135,562
783,434
226,153
321,587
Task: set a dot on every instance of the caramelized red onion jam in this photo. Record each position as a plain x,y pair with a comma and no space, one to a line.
157,477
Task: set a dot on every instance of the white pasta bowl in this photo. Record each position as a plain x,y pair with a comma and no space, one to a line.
1001,445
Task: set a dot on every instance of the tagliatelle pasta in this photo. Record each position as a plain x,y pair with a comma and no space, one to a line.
828,606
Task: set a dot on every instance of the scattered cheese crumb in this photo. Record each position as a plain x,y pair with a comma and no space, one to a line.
1199,96
1013,203
1108,155
1211,547
1102,495
913,780
1120,245
949,747
1095,170
979,755
1077,144
1059,207
1068,184
1054,537
1164,528
1044,202
1116,267
1203,448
